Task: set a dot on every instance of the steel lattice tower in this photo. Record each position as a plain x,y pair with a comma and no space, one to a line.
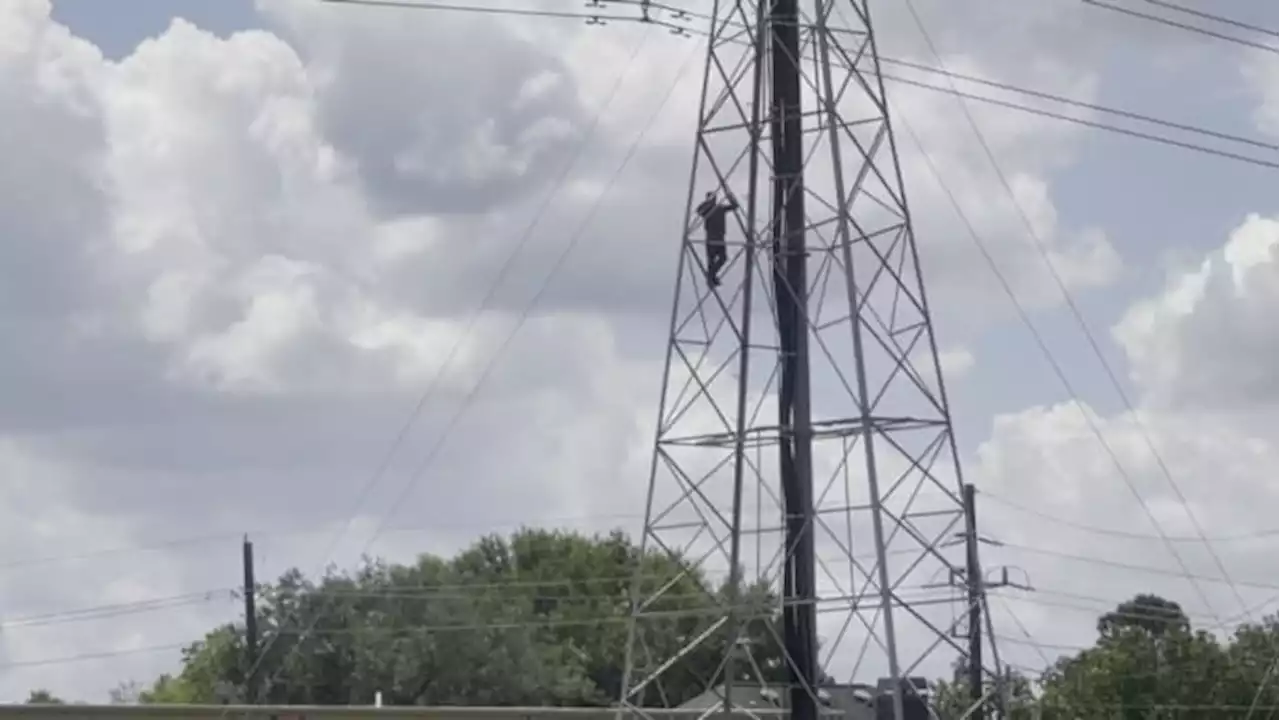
804,466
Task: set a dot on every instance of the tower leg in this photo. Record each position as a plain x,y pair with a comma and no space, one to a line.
744,371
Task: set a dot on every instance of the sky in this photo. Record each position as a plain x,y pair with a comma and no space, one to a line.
242,239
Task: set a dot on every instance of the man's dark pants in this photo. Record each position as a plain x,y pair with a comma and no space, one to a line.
717,255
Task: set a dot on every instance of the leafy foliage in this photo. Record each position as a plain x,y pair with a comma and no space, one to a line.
43,697
1151,614
534,619
1148,663
952,699
540,619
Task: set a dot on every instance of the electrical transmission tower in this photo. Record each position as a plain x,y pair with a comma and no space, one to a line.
804,471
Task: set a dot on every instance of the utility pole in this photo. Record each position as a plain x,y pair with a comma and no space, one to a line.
974,585
250,625
978,613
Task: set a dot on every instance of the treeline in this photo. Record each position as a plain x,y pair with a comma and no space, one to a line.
1147,663
539,619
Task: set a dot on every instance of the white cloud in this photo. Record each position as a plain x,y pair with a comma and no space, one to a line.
1203,355
1261,78
1197,346
955,363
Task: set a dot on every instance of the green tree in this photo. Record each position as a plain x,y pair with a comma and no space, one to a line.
208,667
538,618
44,697
1148,662
1151,614
1136,671
127,693
951,699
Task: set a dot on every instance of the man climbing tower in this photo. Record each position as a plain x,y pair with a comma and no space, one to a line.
712,212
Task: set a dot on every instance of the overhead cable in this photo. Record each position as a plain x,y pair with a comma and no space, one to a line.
523,316
1215,18
83,657
1179,25
1093,124
1038,244
1172,142
479,9
1146,569
1239,537
101,612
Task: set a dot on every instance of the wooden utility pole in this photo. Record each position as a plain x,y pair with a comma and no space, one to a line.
974,587
250,626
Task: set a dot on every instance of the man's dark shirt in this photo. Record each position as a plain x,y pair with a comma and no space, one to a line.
713,214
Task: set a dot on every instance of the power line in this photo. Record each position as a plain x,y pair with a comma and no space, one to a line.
518,582
1054,365
508,263
525,236
1240,537
1008,290
1179,25
1143,568
1022,627
459,592
1133,674
1084,122
1108,606
432,628
646,9
524,315
466,591
549,623
1106,127
1089,123
14,563
1093,124
1180,707
1066,294
1215,18
478,9
102,612
18,562
474,318
82,657
591,621
316,528
324,526
1129,114
1040,247
546,623
1041,645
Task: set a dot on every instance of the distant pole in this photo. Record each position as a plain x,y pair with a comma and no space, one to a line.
973,582
250,626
